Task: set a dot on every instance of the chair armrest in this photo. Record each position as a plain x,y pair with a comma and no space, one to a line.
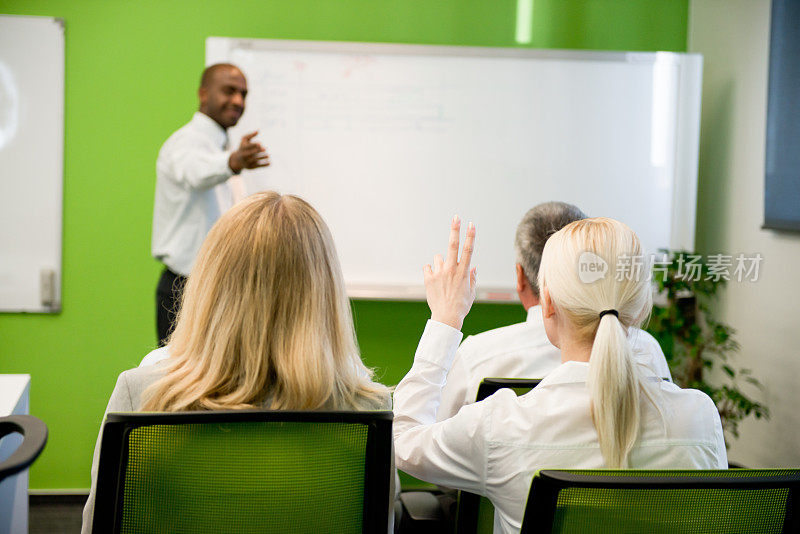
34,433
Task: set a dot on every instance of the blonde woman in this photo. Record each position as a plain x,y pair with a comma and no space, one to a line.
264,323
598,409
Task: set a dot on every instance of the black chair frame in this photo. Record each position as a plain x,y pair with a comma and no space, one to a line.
541,505
114,454
34,433
490,386
469,503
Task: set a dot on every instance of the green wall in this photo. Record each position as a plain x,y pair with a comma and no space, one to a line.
131,76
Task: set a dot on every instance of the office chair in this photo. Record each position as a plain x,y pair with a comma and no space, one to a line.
475,514
520,386
245,471
34,438
620,501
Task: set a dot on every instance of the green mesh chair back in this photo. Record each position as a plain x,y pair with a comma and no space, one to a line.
633,501
475,514
244,472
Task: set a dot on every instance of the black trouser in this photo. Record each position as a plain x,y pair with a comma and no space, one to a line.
168,299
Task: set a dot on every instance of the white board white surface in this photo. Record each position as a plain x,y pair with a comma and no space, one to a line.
389,141
31,162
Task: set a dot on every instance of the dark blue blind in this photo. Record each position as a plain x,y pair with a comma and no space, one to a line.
782,184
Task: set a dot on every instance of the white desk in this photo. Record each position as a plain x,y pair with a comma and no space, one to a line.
14,400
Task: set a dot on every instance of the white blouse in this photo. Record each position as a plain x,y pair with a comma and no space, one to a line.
521,350
493,447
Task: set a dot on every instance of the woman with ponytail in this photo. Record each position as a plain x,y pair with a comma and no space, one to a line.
600,409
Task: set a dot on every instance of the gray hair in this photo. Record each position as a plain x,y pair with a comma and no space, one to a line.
536,227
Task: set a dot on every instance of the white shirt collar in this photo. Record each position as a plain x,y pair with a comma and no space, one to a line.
574,372
569,372
210,127
534,318
535,315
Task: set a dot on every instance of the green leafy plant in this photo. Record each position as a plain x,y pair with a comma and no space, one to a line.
694,343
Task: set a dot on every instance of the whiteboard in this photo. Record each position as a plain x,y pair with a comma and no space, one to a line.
31,162
390,141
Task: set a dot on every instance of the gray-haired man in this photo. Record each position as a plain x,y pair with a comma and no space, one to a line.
522,350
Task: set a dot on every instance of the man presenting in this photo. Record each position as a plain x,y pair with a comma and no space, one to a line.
522,350
192,187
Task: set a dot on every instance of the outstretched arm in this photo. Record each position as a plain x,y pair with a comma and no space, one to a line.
449,452
199,165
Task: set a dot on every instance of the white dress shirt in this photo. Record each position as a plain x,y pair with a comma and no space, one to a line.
522,350
191,194
493,447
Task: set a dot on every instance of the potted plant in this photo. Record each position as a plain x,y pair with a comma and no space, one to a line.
698,348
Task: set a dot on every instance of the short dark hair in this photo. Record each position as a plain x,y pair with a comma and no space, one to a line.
538,224
212,70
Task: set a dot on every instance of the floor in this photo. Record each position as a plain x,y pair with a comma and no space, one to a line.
55,514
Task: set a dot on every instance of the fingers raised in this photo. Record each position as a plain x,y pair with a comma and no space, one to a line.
452,245
469,246
450,283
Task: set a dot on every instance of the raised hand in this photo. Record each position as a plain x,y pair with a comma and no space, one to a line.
249,155
450,283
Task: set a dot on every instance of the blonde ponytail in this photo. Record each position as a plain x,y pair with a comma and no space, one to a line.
613,381
615,388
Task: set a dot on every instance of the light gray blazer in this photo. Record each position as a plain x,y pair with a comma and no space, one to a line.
126,397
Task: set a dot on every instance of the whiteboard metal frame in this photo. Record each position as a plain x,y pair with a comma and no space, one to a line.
217,46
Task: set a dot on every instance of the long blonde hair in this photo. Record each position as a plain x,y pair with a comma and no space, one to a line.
614,382
264,320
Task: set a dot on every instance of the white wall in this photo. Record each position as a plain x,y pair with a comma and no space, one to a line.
733,36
